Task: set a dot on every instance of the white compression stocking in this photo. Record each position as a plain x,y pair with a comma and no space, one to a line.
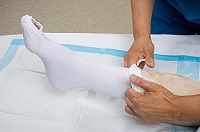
66,70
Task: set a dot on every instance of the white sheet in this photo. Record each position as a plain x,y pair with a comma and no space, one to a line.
29,103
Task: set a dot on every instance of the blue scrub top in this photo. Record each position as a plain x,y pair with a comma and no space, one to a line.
189,8
176,17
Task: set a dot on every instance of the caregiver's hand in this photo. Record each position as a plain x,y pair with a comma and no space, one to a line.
155,105
141,49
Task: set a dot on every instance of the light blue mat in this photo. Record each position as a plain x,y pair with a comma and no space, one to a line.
186,65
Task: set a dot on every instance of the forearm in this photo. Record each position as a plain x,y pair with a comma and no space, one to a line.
141,18
188,111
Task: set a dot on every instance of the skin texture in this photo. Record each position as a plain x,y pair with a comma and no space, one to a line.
157,104
160,105
177,84
142,46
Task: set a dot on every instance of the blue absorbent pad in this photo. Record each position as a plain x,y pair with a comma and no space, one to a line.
29,103
185,65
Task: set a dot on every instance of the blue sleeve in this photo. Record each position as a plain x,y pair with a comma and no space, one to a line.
189,8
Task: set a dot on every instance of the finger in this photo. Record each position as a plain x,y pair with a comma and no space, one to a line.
128,102
149,59
125,63
150,62
131,94
132,60
130,111
140,82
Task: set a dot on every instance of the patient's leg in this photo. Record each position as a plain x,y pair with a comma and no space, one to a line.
177,84
66,70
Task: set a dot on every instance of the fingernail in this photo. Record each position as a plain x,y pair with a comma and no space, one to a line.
133,77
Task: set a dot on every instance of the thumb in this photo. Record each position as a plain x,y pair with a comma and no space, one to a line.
149,60
140,82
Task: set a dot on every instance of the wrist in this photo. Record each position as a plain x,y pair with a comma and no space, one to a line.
142,37
184,111
184,106
177,109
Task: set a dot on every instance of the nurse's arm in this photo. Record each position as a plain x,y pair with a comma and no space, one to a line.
188,108
142,48
141,17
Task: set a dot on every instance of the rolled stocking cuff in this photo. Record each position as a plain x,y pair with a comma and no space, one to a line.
137,71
